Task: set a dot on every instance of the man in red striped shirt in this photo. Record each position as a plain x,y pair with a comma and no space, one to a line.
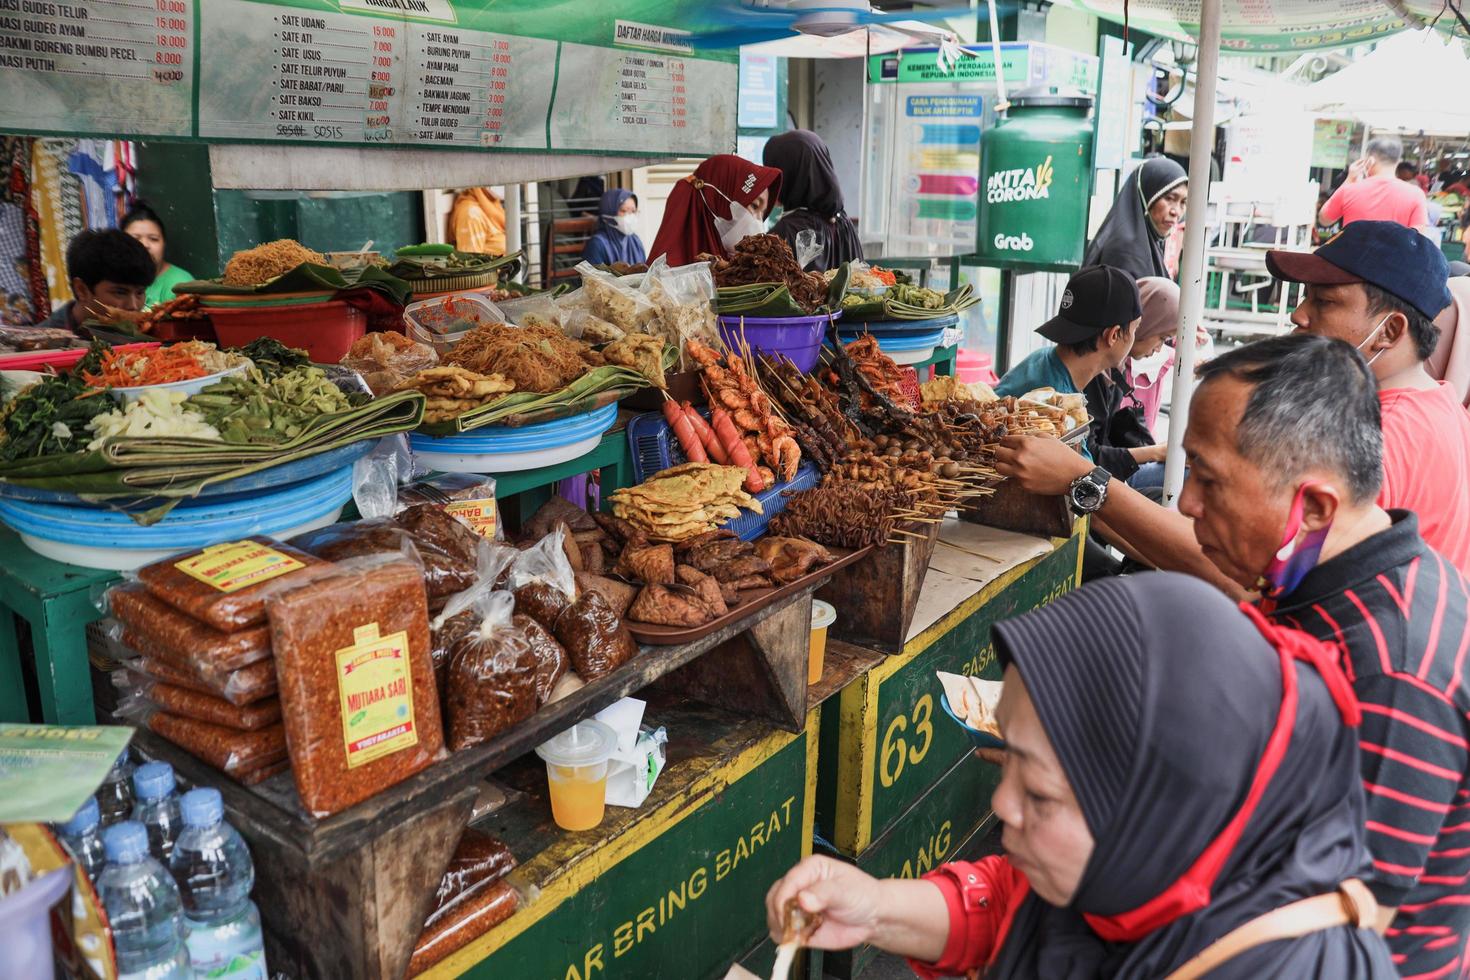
1284,450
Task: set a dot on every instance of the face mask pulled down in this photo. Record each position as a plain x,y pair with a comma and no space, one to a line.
739,226
1369,339
1297,554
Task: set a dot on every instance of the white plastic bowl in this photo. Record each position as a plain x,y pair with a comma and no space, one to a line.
191,387
911,356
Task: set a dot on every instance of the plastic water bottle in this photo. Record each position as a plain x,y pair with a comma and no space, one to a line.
212,867
143,908
115,796
82,836
156,807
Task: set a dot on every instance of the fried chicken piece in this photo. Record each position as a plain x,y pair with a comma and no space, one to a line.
557,509
707,586
699,540
742,584
739,568
651,565
664,606
791,558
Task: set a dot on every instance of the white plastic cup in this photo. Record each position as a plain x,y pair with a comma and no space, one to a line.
823,616
576,773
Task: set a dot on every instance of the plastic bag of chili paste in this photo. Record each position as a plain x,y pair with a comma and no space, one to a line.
492,676
356,682
225,585
162,631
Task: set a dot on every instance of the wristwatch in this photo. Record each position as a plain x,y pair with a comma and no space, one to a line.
1087,493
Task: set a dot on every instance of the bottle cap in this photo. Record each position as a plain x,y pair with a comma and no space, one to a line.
153,780
88,815
125,842
202,807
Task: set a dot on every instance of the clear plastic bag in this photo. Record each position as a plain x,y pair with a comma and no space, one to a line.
239,687
684,298
470,917
533,309
385,360
200,706
233,752
160,630
356,682
225,585
808,246
491,676
542,580
619,303
596,639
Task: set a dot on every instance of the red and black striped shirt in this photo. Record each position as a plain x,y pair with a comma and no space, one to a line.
1401,613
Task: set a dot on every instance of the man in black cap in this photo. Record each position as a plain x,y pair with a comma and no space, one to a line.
1093,332
1378,286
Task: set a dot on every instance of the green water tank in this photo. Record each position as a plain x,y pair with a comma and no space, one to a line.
1036,181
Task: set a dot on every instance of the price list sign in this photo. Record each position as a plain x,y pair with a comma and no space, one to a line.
472,88
97,66
637,100
300,75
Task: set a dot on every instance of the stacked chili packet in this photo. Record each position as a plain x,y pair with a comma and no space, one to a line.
204,677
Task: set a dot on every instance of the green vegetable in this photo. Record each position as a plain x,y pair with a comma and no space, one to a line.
273,358
51,417
248,409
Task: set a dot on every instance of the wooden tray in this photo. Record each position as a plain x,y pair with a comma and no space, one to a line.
751,600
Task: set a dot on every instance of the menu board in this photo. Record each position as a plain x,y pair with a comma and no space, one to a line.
637,100
97,66
344,78
424,73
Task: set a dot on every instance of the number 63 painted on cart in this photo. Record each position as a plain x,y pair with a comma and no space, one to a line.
896,749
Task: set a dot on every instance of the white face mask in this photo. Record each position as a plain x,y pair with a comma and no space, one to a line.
739,226
734,232
1369,339
626,223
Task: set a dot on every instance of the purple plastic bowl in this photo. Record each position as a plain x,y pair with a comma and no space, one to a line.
798,337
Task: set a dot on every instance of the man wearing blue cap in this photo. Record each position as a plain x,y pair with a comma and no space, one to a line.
1378,286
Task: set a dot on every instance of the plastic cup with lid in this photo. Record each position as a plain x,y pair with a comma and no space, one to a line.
576,773
823,616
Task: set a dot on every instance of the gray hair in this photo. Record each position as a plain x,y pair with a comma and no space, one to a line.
1313,403
1388,149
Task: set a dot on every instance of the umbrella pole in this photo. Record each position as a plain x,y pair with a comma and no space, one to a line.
1192,261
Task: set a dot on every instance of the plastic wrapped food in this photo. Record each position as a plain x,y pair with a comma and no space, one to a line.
595,638
542,579
444,633
260,775
357,684
492,676
239,687
225,585
542,602
467,497
163,631
230,751
470,918
443,574
385,359
479,860
551,658
206,707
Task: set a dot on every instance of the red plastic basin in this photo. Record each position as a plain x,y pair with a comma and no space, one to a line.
324,330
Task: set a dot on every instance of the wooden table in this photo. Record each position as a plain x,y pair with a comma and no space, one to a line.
57,601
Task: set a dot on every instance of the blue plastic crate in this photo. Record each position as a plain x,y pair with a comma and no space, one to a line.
655,447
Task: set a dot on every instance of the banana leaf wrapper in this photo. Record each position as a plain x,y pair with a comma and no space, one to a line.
305,278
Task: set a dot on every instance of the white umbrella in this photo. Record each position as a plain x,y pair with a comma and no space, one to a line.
1413,82
877,39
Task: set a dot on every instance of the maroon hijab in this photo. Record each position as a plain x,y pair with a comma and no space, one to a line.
688,227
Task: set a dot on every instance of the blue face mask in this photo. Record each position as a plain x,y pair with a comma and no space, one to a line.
1297,555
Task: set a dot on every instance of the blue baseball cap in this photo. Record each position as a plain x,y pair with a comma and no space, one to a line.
1398,260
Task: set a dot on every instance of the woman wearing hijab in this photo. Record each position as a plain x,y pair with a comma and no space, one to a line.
811,198
1451,358
1148,208
1160,301
725,200
616,238
1177,771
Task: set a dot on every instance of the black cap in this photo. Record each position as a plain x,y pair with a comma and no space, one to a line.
1096,298
1398,260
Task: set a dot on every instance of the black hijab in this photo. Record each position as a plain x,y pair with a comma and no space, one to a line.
811,198
1161,698
1127,238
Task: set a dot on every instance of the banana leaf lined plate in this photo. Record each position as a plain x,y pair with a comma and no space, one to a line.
275,478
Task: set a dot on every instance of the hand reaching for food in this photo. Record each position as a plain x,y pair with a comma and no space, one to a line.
839,903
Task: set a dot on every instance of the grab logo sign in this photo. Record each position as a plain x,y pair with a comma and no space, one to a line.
1014,243
1022,184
